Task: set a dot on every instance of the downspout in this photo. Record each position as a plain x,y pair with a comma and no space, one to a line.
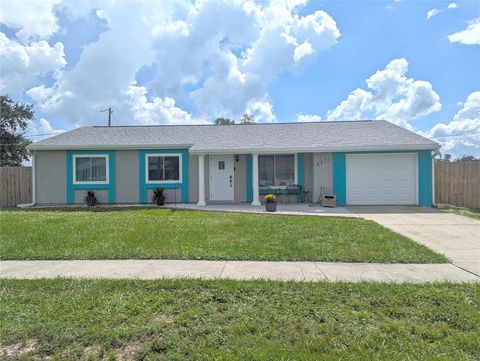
34,189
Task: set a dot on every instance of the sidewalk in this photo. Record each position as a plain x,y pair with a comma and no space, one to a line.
238,270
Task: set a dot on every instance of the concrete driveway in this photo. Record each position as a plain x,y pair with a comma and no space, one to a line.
457,237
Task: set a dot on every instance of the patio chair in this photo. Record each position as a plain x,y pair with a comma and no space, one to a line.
295,189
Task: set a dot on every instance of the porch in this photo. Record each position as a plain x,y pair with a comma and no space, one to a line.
246,178
282,208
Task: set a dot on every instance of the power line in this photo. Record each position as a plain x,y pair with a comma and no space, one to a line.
41,135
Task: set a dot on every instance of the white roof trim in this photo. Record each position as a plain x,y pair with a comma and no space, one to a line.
313,149
107,147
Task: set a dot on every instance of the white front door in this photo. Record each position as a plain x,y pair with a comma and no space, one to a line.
221,177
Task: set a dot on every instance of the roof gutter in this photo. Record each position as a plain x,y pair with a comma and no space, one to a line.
315,149
106,147
33,147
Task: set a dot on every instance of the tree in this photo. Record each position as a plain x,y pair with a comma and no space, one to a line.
468,158
447,157
247,119
224,121
14,119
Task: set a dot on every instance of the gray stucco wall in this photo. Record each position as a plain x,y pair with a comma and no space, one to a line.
240,178
308,169
322,174
51,182
50,177
100,194
171,195
193,179
126,176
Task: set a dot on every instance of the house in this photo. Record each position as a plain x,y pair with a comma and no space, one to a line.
361,162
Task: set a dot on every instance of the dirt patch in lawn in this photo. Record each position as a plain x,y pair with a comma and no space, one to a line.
19,349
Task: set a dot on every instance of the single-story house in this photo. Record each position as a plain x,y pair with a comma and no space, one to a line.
361,162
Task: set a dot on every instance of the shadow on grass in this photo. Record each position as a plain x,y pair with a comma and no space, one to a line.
95,209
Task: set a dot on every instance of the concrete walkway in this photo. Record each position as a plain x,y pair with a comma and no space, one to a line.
455,236
238,270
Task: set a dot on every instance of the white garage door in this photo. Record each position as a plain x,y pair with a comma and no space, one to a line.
381,179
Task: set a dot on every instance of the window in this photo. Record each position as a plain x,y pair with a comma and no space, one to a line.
221,165
163,168
276,170
90,169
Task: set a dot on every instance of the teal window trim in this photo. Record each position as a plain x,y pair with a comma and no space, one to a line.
301,169
144,186
301,174
424,174
249,181
71,187
340,177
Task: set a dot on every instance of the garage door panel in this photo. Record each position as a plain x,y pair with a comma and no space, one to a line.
381,179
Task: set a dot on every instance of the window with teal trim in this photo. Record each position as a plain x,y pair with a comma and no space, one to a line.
163,168
90,169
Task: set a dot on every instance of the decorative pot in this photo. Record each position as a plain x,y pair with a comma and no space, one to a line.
160,201
91,202
271,206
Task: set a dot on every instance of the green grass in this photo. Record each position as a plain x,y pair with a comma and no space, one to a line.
471,213
163,233
228,320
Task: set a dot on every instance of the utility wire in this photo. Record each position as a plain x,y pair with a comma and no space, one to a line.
41,135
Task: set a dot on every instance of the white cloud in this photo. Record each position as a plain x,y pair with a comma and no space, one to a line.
461,136
106,68
231,63
35,18
156,111
262,111
469,36
41,129
221,54
431,13
308,118
39,93
24,65
391,96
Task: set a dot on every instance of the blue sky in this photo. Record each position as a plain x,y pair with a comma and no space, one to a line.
173,62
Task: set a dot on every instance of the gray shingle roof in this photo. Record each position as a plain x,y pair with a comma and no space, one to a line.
321,136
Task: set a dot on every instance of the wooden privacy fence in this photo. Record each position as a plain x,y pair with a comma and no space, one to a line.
15,186
458,183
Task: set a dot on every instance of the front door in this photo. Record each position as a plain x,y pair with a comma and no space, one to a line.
221,178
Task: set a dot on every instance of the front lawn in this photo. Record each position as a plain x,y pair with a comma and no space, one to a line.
227,320
173,234
471,213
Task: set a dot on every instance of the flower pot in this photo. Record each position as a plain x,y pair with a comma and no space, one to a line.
160,201
271,206
91,202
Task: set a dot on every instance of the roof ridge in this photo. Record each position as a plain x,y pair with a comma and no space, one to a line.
236,124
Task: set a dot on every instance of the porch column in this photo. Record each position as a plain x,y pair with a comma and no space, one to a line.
256,201
201,180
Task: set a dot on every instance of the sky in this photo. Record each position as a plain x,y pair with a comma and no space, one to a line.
413,63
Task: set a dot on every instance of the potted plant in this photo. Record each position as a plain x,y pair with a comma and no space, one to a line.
158,196
270,202
90,199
